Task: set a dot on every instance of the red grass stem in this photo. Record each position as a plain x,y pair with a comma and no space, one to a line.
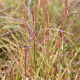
64,18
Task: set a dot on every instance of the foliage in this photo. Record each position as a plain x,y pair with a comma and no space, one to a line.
41,38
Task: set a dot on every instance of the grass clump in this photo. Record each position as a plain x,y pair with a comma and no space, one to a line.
40,38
